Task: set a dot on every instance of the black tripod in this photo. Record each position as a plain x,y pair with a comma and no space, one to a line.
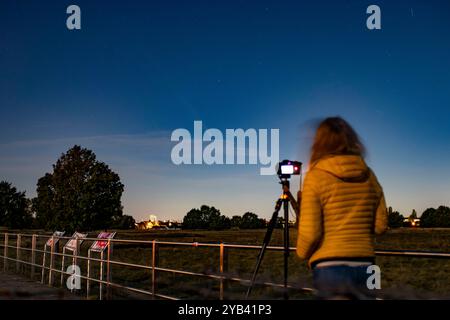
284,199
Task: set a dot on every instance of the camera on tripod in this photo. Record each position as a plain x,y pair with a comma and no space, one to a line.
286,168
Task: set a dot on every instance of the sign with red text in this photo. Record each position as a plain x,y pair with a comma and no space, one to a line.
77,239
101,245
56,236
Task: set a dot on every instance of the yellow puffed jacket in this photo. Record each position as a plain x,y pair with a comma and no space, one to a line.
342,208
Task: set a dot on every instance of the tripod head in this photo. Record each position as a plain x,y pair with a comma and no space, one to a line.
285,169
284,182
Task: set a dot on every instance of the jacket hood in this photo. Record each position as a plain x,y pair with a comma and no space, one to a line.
345,167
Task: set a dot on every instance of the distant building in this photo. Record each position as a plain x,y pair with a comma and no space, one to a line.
154,224
411,223
151,223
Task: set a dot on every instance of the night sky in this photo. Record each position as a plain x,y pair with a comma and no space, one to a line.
137,70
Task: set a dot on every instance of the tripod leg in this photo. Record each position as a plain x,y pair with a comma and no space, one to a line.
286,246
272,224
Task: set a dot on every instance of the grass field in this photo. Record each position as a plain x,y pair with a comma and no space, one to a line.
402,277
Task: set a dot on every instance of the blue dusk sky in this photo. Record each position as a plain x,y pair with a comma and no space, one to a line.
137,70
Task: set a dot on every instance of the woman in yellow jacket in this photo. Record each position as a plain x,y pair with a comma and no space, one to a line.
342,209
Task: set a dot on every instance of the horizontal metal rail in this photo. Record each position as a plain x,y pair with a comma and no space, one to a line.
154,268
93,279
418,254
414,254
176,271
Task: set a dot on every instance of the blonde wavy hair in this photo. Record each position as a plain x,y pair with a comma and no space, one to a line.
335,136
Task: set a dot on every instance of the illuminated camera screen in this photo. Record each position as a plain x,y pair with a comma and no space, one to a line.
287,169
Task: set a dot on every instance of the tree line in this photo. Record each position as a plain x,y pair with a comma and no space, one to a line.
210,218
430,218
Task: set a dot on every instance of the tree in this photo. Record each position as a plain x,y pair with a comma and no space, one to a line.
42,204
395,219
428,218
14,207
443,217
81,193
124,222
193,220
236,221
220,223
205,218
436,218
251,221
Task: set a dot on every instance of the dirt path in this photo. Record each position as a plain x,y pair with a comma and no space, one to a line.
17,287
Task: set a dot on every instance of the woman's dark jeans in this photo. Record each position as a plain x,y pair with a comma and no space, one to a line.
345,282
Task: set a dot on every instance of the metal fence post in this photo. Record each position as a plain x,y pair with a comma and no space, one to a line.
101,276
5,253
33,255
108,270
43,264
50,272
77,249
223,268
18,244
88,287
155,256
63,265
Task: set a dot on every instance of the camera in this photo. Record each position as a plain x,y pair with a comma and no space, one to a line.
286,168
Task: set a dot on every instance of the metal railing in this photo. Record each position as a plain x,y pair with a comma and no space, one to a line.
154,267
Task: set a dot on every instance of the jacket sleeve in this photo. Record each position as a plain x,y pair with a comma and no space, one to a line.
299,202
310,224
381,216
380,223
